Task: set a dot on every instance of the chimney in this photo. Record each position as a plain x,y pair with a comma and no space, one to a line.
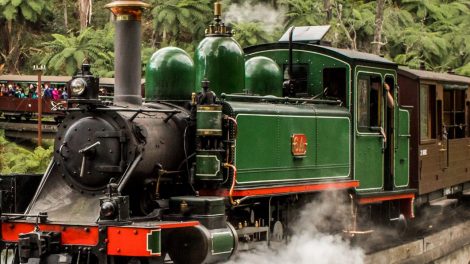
127,43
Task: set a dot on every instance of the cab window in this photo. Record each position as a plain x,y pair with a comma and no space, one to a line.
300,76
368,102
334,83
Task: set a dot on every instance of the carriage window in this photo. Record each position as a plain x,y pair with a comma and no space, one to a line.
454,113
427,97
334,83
300,76
368,103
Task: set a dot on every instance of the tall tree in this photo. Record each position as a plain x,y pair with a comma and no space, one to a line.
379,17
328,10
18,14
355,20
66,17
173,18
85,8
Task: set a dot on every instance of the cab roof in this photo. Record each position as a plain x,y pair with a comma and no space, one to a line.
350,56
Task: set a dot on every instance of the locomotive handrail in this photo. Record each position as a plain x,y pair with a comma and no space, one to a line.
280,99
125,178
172,111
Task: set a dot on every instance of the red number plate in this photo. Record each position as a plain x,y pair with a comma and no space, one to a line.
299,144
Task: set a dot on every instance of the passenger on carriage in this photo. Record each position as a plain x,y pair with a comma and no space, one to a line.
47,92
55,94
3,90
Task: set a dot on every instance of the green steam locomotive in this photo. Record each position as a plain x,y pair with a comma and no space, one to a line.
221,154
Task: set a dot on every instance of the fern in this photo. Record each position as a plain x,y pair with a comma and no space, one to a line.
16,159
65,54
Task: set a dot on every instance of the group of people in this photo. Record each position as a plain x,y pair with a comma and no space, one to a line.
30,91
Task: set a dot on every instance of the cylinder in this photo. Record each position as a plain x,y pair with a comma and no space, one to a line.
201,245
127,60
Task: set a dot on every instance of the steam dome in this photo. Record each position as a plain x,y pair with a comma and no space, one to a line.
263,76
169,75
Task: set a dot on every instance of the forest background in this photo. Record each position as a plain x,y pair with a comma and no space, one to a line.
62,33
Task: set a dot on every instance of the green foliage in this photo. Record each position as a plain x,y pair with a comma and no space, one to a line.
23,10
251,33
303,12
15,159
433,32
173,18
357,20
147,53
65,54
436,32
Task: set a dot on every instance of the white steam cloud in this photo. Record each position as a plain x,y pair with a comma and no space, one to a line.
269,17
308,244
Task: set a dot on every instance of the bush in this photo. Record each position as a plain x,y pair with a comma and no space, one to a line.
16,159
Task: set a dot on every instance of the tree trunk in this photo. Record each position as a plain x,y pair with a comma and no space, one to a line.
379,17
350,34
328,11
66,20
164,36
14,49
84,9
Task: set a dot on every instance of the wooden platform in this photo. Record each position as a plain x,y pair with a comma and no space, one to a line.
447,245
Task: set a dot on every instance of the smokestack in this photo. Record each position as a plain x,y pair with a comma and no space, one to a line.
127,61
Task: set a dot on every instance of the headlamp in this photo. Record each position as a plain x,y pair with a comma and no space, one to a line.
108,209
78,86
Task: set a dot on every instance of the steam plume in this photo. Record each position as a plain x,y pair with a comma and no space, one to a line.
308,243
269,17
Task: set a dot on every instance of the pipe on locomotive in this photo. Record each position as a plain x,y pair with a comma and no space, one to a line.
127,42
